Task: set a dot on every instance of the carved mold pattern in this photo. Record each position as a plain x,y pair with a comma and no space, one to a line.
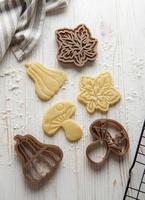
39,160
118,144
76,45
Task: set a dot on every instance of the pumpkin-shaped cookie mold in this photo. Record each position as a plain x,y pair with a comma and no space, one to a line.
58,116
39,160
47,82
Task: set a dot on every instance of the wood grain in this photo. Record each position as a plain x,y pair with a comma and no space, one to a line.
120,29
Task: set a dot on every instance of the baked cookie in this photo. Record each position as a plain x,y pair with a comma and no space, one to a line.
98,93
47,81
58,116
76,45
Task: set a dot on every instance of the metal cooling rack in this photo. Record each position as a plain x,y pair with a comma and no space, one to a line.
136,183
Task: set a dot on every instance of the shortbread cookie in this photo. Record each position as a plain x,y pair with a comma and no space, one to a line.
98,93
58,116
47,82
76,45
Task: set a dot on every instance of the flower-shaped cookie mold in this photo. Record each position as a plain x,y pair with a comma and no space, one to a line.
76,45
58,116
98,93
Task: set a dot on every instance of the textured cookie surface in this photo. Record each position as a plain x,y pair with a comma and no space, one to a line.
58,116
76,45
47,82
98,93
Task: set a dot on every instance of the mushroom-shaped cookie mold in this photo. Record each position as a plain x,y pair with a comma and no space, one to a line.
58,116
47,82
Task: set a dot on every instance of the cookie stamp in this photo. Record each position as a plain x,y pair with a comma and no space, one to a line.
118,144
76,45
58,116
47,81
98,93
39,161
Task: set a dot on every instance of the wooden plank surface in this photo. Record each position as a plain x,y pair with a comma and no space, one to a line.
120,29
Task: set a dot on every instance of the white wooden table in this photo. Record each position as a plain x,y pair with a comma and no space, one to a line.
119,26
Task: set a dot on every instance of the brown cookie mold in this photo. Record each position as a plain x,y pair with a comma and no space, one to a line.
39,161
117,144
76,46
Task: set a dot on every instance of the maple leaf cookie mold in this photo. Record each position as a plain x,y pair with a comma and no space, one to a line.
76,46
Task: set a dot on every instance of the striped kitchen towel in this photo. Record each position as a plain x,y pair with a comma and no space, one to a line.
21,23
